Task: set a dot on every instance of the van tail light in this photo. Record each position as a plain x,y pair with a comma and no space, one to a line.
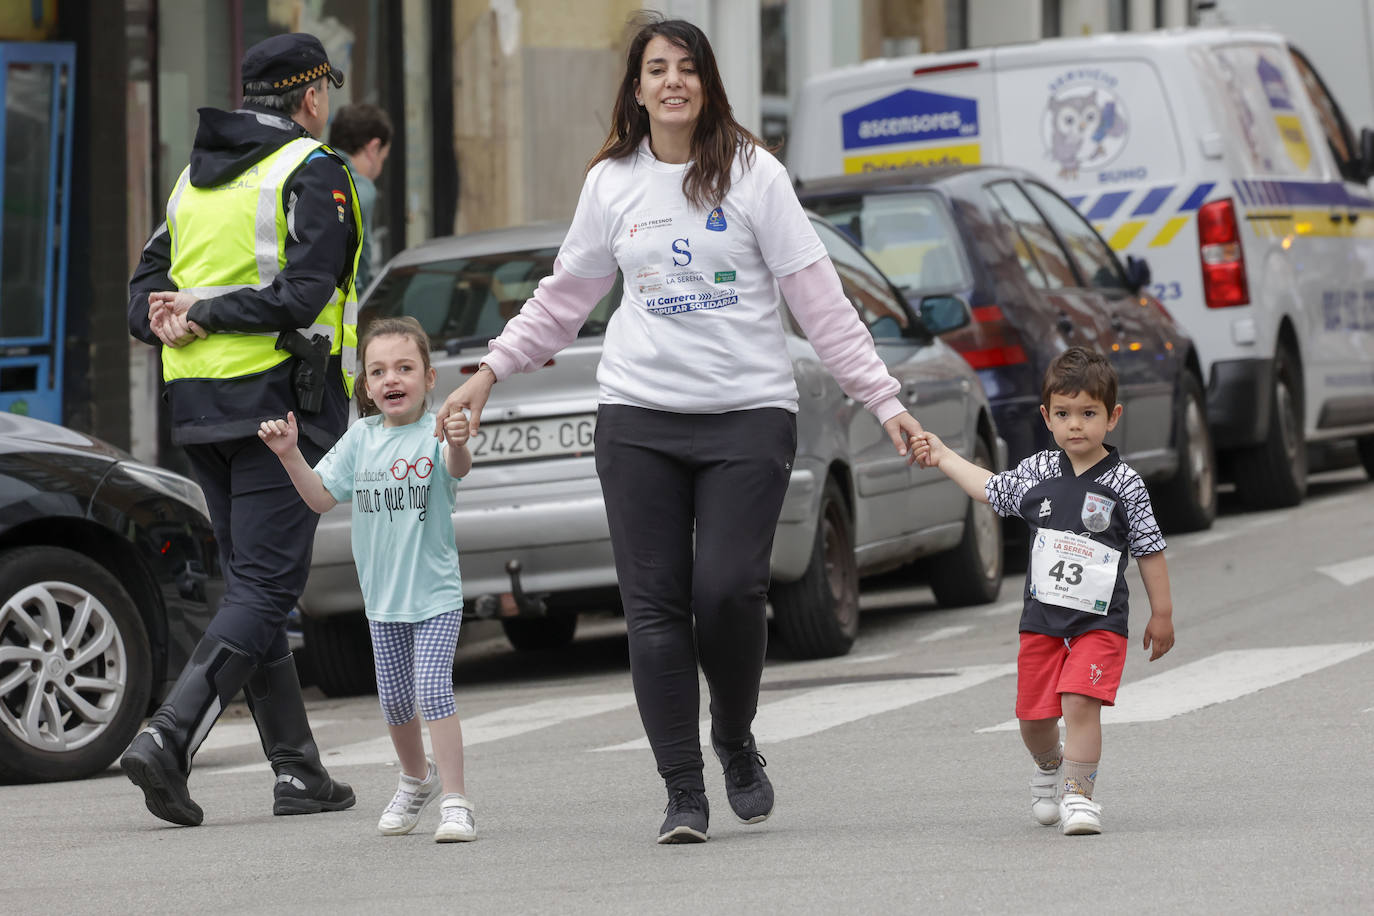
1223,260
990,342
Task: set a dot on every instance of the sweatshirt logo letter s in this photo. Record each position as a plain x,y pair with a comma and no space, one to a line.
680,248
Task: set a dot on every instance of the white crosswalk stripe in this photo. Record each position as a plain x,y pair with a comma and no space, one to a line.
945,633
1215,679
1218,678
1351,572
490,726
828,707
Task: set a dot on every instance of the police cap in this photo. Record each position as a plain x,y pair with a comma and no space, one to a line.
277,65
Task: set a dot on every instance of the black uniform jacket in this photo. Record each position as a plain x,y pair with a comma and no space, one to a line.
319,257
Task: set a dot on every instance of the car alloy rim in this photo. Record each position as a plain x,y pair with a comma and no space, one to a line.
843,585
1288,420
985,523
63,666
1199,455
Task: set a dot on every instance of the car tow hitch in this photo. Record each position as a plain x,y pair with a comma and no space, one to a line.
514,603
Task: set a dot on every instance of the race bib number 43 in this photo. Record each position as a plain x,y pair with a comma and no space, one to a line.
1072,571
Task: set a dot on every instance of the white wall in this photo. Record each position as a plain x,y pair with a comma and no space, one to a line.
996,22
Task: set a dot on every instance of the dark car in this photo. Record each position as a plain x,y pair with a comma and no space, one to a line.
108,577
1038,279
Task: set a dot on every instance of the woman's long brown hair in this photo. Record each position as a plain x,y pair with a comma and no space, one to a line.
718,137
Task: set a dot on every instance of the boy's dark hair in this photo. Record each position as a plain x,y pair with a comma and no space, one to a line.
355,125
1080,369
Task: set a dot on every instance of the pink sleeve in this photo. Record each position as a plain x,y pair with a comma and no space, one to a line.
844,345
548,321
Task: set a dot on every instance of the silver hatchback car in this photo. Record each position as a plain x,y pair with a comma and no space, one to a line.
531,528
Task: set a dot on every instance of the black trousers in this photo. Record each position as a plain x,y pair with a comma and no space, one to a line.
667,477
265,535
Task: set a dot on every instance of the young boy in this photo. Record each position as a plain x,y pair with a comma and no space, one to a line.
1084,507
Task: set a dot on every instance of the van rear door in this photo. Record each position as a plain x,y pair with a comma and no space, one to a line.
893,114
1100,131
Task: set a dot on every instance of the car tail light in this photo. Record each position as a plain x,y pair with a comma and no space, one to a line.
1223,260
993,341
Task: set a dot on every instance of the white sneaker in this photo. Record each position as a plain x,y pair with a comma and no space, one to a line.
1079,815
401,816
456,823
1044,788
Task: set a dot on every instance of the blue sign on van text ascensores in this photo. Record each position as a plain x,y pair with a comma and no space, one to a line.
910,116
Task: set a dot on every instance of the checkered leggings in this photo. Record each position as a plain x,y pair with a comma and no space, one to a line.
415,660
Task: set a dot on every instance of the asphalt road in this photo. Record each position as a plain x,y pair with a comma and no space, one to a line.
1236,775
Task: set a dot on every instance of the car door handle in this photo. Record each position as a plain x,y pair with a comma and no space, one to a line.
1064,323
1117,324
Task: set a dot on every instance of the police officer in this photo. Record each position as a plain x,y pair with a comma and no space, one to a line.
248,288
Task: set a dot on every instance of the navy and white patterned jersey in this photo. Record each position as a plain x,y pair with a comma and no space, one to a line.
1108,503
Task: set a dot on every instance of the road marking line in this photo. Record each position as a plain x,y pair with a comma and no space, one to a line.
1350,572
866,659
1005,607
489,726
1215,679
225,735
828,707
945,633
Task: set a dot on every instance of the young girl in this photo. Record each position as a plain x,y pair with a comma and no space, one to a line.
401,481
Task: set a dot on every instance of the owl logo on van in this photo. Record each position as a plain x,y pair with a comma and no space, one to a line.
1084,126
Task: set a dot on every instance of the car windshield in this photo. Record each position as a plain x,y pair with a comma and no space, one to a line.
463,303
909,236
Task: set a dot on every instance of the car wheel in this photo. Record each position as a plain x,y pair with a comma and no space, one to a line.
1273,474
74,666
818,615
971,573
340,649
531,634
1188,500
1365,446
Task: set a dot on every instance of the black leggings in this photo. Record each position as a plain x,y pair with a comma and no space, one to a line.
665,475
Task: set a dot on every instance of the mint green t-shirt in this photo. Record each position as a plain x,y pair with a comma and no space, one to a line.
402,495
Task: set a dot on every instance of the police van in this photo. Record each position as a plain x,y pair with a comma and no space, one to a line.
1217,155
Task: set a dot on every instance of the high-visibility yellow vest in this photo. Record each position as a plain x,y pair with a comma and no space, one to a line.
232,237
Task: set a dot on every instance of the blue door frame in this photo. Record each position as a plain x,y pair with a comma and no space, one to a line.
31,351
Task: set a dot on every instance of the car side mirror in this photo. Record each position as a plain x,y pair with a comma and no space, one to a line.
941,314
1137,273
1366,153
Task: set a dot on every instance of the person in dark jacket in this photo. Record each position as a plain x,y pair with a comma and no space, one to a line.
248,290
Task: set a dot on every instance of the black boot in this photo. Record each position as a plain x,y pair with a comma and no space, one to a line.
159,758
303,785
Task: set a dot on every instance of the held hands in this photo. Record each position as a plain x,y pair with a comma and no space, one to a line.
167,318
470,396
456,429
281,436
929,449
904,429
1159,635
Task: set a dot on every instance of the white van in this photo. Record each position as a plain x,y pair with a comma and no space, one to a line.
1217,155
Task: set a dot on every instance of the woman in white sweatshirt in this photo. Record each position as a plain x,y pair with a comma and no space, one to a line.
696,426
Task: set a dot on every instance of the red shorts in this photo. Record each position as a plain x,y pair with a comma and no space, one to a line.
1089,664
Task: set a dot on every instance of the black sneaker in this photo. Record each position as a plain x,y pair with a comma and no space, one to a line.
746,785
688,814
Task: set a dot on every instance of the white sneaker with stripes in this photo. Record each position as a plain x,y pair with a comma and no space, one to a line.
456,822
412,795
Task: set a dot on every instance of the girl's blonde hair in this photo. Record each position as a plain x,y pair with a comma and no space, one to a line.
402,326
